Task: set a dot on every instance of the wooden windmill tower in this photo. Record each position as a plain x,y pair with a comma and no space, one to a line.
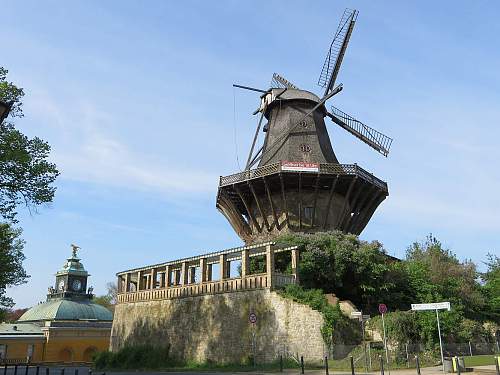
294,182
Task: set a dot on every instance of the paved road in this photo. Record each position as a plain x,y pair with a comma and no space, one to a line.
21,370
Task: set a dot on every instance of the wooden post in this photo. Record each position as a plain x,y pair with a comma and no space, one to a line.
203,270
192,275
154,274
139,280
209,272
168,276
270,264
223,266
245,263
184,273
127,282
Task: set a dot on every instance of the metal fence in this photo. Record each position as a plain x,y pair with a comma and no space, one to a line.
371,356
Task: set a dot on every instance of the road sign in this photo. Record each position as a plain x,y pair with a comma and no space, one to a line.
252,318
382,308
434,306
356,314
431,306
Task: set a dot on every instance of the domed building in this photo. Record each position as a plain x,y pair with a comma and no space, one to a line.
68,327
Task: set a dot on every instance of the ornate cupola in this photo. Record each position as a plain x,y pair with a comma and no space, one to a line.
71,280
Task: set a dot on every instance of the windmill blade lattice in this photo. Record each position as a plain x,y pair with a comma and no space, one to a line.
337,50
370,136
280,82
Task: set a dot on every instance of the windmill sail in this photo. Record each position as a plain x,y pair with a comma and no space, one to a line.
337,50
370,136
280,82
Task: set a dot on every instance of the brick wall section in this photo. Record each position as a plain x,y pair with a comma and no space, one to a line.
216,327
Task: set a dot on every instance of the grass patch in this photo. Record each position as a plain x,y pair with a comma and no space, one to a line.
479,360
147,357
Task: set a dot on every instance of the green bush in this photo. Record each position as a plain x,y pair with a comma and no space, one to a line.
135,357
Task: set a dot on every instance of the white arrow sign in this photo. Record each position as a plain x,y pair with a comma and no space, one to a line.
431,306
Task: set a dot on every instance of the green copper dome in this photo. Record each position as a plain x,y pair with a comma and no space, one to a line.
65,309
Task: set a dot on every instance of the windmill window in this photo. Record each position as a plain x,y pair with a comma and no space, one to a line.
304,124
305,148
308,213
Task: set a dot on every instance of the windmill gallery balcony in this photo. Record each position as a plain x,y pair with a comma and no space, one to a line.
264,202
194,276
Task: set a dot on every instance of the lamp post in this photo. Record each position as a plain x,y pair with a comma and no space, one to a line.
4,110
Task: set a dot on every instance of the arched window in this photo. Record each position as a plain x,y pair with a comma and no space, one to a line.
66,355
89,353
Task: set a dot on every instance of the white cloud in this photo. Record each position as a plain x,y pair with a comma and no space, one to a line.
84,151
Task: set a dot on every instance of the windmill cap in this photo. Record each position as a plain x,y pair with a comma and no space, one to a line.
273,97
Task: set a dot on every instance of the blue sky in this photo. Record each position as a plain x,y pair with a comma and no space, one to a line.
136,100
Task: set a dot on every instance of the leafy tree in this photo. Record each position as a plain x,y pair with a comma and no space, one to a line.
26,178
353,269
12,315
435,274
11,262
108,300
491,287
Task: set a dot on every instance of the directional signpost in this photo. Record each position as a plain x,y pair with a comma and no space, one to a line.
362,318
434,306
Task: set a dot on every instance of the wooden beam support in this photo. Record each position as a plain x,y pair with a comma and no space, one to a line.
364,211
316,187
359,207
247,207
259,207
348,217
330,198
346,199
283,197
300,201
370,209
271,203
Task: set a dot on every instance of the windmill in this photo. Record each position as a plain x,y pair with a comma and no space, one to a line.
294,181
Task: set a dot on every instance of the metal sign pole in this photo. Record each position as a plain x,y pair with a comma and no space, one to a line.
385,340
364,343
440,341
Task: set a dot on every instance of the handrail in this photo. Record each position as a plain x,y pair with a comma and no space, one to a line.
324,168
250,282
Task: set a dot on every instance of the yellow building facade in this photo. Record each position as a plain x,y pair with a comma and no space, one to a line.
68,327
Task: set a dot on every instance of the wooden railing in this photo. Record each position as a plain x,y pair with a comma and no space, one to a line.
256,281
324,168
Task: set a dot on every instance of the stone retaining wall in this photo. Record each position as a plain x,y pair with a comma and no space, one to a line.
216,327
